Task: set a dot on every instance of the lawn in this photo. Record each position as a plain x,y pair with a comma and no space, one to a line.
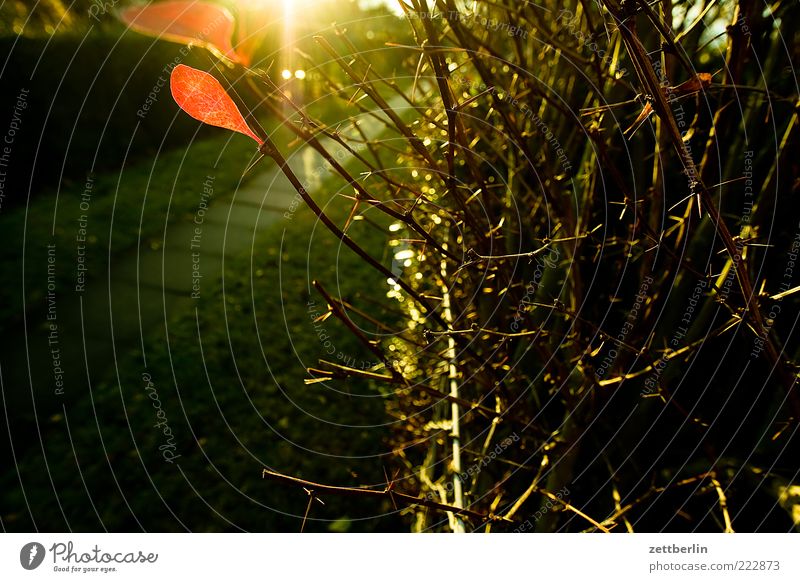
229,379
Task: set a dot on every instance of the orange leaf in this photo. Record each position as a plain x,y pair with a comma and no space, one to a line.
199,23
202,96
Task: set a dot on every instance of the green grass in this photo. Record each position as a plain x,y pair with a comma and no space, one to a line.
222,399
232,404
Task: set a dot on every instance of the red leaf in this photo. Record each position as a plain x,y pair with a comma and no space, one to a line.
202,96
199,23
